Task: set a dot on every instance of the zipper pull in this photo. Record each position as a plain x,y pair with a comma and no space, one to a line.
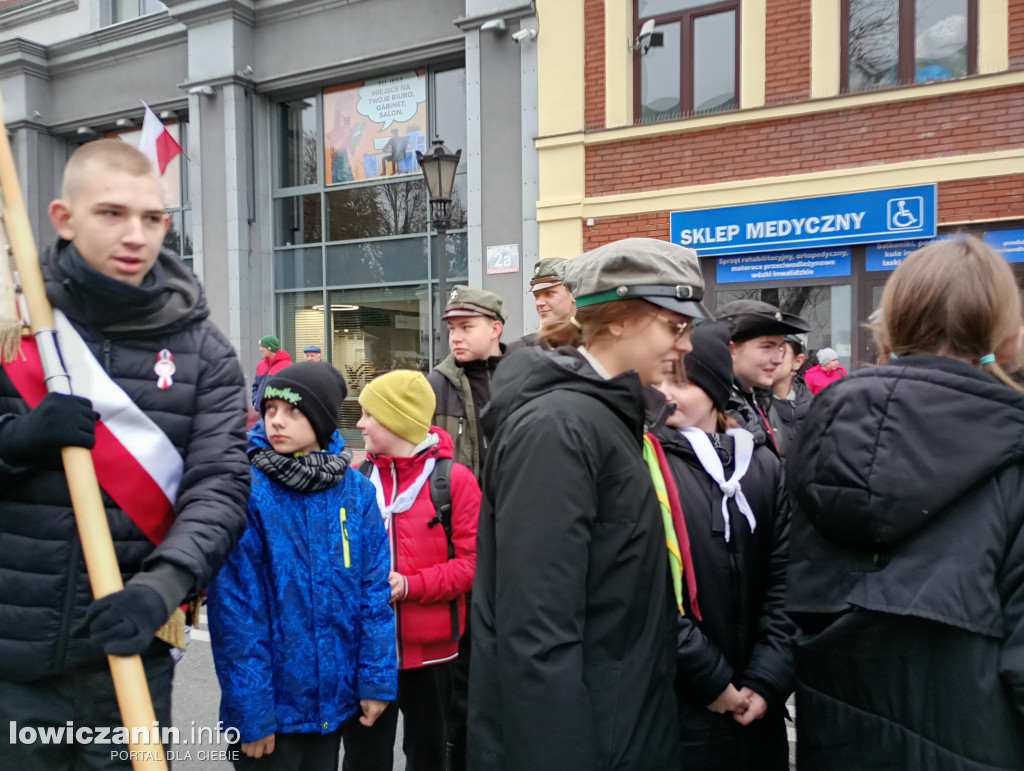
344,538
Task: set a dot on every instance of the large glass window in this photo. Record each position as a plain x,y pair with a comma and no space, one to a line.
892,42
826,308
115,11
355,256
694,70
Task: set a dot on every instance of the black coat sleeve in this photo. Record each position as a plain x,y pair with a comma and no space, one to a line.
703,672
769,671
214,487
1011,589
543,527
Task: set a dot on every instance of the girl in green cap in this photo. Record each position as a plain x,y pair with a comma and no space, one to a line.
573,611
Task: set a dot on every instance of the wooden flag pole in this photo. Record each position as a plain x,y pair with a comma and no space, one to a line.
129,677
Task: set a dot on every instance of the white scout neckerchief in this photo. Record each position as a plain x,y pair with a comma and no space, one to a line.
708,457
403,501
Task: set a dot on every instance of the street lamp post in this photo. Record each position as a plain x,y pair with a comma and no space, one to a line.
438,169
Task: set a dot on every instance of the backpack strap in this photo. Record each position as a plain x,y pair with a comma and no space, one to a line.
366,467
441,497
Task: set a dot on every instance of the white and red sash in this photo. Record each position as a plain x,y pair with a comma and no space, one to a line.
136,464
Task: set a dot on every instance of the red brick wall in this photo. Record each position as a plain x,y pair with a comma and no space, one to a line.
1016,33
955,124
981,199
788,51
654,225
593,63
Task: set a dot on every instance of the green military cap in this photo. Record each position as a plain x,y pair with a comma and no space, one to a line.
663,273
547,273
466,301
748,319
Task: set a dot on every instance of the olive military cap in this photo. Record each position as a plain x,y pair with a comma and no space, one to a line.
466,301
547,273
665,274
748,319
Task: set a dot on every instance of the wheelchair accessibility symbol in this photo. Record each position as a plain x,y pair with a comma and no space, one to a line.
905,213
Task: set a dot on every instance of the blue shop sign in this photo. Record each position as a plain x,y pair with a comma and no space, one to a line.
852,218
1010,243
775,266
888,255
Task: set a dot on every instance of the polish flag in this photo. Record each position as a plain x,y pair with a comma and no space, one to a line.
156,142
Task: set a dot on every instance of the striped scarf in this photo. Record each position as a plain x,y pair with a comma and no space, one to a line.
305,473
680,561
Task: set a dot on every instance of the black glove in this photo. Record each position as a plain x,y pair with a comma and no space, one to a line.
126,621
57,421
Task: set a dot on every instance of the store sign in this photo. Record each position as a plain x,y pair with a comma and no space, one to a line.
852,218
1010,243
780,266
889,254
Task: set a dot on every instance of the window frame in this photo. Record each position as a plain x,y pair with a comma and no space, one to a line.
686,18
906,36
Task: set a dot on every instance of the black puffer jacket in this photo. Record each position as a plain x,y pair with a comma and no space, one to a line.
573,620
744,636
44,589
907,570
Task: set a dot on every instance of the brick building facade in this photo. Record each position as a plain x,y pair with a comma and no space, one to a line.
799,126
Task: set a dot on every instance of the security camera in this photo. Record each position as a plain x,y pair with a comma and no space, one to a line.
497,26
524,34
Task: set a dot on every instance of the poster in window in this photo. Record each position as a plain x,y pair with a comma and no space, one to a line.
373,129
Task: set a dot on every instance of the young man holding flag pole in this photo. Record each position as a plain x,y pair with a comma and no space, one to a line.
168,450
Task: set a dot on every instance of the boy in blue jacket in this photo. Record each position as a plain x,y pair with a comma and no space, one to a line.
303,636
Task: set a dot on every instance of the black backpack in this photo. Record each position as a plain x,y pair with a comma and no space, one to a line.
441,498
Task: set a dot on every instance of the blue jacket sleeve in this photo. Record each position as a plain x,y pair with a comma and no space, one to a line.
240,634
378,660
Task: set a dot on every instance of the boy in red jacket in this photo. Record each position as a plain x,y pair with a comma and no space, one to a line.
427,587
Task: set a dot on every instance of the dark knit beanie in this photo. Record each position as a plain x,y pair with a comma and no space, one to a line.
709,365
315,388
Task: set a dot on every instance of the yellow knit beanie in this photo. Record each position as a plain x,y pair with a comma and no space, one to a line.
402,401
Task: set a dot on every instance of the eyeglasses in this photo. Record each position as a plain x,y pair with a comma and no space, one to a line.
678,327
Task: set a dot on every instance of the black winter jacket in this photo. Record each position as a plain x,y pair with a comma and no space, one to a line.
44,588
573,620
907,570
744,636
790,412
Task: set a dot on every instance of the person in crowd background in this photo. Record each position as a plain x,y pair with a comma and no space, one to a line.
297,675
825,372
573,610
312,353
138,327
551,297
273,360
791,398
906,573
431,569
757,341
462,388
462,380
735,664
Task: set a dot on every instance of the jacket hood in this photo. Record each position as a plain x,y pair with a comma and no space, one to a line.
183,299
528,373
883,451
257,439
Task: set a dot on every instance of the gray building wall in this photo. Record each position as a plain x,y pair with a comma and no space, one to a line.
224,63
